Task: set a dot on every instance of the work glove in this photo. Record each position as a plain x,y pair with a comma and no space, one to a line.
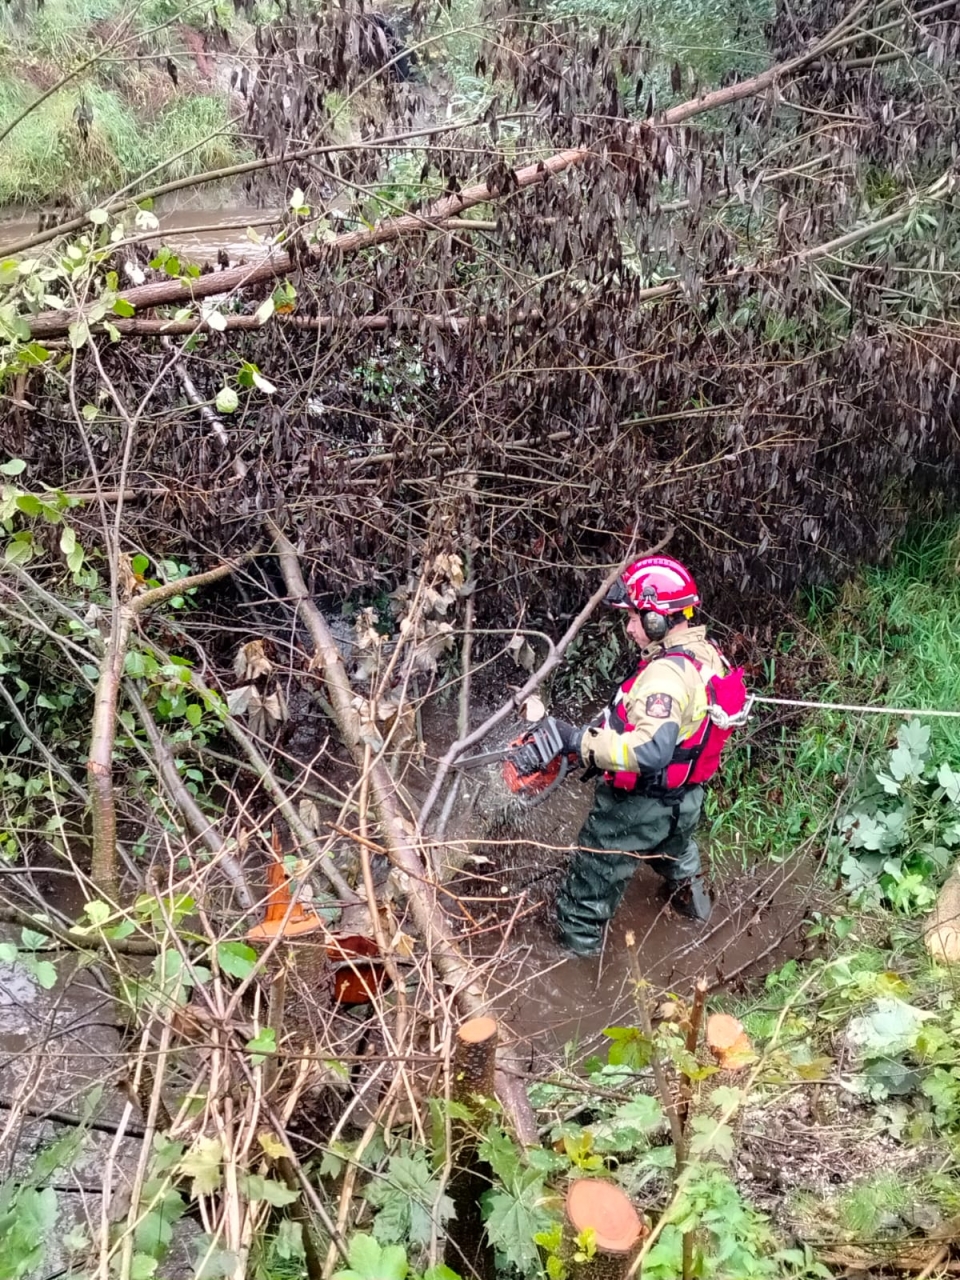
529,758
571,736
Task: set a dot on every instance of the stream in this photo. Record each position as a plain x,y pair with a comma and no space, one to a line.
195,234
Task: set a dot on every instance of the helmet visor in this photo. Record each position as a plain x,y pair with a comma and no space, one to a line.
617,597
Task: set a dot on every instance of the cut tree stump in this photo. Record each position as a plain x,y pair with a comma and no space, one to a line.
606,1210
728,1042
941,933
468,1249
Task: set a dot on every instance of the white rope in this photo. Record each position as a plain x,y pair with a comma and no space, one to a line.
847,706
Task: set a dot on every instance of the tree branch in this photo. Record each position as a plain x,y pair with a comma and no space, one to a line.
549,664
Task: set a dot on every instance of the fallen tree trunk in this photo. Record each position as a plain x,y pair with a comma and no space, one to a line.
179,293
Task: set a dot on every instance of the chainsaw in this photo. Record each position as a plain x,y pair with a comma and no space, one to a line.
531,786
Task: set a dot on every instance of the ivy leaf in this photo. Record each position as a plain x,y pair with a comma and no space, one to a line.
203,1164
512,1221
708,1136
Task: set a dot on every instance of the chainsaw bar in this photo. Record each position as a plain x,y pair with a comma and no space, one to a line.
545,737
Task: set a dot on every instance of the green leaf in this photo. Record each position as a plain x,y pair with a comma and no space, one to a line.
407,1199
78,333
500,1152
142,1266
710,1137
89,412
68,540
43,971
15,467
364,1257
630,1047
29,504
264,1043
97,912
194,714
512,1221
98,217
124,308
140,564
135,664
203,1164
950,781
890,1028
268,1189
227,400
8,952
237,959
33,940
75,559
34,354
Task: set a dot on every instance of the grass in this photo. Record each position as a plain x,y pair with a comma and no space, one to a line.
47,160
888,637
139,119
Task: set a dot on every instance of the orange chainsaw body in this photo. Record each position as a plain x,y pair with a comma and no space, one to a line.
530,784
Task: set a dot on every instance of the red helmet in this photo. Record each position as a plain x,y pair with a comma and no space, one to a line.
659,583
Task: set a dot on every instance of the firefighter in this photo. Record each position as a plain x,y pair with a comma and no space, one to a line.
656,745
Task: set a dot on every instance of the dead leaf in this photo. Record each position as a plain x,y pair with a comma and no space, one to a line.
521,651
309,814
251,661
238,700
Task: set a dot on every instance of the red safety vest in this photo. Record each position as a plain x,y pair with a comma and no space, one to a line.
696,758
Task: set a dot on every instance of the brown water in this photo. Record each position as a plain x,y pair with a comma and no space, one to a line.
550,999
194,234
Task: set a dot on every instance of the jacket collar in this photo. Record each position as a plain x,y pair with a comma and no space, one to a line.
692,635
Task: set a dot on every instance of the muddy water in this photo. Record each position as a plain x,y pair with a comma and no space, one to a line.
193,234
550,999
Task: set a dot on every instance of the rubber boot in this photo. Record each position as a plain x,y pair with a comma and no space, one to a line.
690,898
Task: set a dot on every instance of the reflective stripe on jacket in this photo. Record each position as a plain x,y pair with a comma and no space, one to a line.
657,713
